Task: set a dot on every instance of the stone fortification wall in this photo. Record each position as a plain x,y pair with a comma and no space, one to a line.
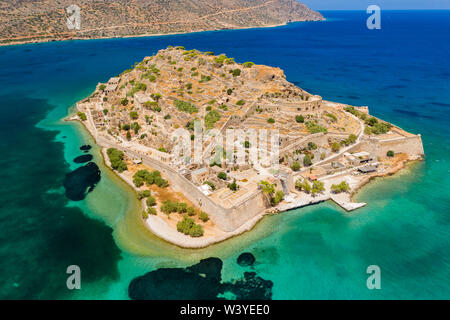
227,219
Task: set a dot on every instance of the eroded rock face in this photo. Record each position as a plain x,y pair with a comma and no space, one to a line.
81,181
197,282
246,259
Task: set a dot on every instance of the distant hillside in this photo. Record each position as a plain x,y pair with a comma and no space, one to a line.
45,20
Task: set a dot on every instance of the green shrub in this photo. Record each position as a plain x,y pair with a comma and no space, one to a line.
314,127
295,166
271,120
341,187
248,64
300,119
209,183
276,199
138,182
307,161
203,216
189,227
240,102
233,186
222,175
144,193
211,118
303,185
116,158
181,207
151,211
331,116
134,115
335,146
236,72
82,116
390,153
317,187
150,201
190,211
185,106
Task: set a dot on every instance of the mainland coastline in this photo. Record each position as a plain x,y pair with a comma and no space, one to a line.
290,183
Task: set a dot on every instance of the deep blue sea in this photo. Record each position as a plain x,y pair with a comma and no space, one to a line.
402,72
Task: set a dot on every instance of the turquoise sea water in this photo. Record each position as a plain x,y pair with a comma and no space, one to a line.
401,72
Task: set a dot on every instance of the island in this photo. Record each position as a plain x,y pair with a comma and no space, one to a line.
211,145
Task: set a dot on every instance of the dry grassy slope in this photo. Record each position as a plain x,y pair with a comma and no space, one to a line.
35,19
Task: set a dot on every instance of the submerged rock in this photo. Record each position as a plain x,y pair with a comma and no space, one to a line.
201,281
246,259
81,181
83,159
251,287
85,147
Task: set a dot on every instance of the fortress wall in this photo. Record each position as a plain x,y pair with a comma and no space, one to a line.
227,219
412,146
303,107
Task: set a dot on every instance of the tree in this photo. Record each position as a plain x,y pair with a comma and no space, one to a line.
299,119
296,166
341,187
102,87
105,111
271,120
150,201
116,159
82,116
307,161
124,101
189,227
233,186
190,211
335,146
317,187
390,153
134,115
144,193
138,182
276,199
128,135
151,211
303,185
222,175
203,216
236,72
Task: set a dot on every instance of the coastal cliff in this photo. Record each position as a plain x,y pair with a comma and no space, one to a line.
45,20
